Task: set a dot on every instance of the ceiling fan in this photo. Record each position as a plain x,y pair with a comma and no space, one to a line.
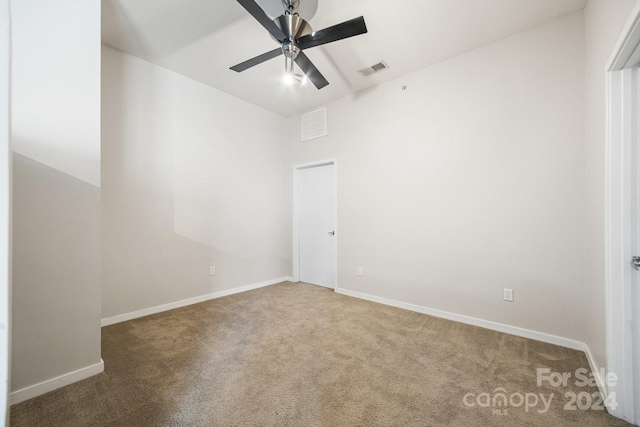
295,35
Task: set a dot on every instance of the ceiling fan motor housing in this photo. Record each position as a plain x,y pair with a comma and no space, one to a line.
293,27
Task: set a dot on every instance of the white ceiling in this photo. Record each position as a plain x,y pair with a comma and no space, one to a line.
201,39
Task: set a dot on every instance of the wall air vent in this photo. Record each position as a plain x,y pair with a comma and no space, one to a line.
314,124
376,68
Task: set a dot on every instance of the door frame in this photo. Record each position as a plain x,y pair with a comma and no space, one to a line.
5,210
296,220
621,144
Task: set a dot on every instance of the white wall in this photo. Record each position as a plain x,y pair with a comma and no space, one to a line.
56,274
469,181
56,211
55,54
604,20
191,177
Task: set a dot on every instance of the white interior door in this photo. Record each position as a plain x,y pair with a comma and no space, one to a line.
623,222
317,225
623,233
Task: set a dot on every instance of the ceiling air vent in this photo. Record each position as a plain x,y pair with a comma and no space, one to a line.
376,68
314,124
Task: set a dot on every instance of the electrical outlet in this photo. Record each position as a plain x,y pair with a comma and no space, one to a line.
360,272
212,270
508,295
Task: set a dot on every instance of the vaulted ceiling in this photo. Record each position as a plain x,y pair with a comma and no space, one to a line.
201,39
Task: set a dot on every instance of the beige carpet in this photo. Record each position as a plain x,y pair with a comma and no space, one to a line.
301,355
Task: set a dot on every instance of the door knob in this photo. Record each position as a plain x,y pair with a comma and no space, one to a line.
333,233
635,262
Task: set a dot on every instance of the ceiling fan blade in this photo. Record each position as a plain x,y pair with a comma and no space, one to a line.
311,71
260,16
353,27
257,60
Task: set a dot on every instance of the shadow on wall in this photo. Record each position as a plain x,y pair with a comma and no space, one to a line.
56,273
185,184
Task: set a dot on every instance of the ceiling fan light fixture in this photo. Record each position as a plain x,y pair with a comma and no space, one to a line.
288,63
290,76
290,79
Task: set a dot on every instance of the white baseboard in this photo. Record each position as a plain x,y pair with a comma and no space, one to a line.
35,390
500,327
595,369
170,306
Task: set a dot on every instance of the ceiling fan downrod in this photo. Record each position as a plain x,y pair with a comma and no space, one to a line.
290,6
